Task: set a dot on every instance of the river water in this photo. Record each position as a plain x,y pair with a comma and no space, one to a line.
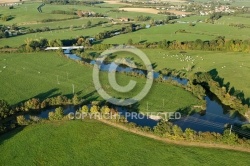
213,119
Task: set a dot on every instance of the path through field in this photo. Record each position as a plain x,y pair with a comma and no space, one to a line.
183,143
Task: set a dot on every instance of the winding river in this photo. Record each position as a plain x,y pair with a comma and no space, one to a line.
213,119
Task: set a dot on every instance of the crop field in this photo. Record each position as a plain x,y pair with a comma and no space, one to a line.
91,142
23,76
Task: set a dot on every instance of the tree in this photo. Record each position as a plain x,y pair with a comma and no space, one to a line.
75,100
177,131
130,41
88,24
84,109
21,120
4,109
229,138
57,115
94,109
189,134
105,110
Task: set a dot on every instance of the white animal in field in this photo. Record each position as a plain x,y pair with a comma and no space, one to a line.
4,67
39,72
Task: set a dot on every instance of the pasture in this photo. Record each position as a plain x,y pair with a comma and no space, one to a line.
201,31
23,76
232,66
91,142
57,34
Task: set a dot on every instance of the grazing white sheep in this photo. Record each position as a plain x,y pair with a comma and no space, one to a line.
4,67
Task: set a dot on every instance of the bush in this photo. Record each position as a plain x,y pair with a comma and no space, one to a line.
57,115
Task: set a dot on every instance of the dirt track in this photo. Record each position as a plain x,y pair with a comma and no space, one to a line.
182,143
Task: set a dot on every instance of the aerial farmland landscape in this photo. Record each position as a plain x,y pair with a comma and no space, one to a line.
124,82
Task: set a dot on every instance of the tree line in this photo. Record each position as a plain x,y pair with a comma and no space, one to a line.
204,81
217,44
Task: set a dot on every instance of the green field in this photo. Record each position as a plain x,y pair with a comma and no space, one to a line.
94,143
56,34
226,20
232,66
28,14
35,75
201,31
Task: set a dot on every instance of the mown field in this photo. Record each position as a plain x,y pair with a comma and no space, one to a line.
94,143
23,76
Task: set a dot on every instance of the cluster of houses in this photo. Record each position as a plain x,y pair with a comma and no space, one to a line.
86,13
225,9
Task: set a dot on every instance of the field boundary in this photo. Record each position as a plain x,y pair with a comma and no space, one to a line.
182,143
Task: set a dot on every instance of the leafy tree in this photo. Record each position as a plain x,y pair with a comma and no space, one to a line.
4,109
75,100
88,24
84,109
189,134
163,128
177,131
94,109
105,110
130,41
57,115
21,120
229,138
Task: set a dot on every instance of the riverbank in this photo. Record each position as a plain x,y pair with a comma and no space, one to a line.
183,143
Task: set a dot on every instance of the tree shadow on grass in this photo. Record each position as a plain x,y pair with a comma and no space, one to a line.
231,90
10,134
43,96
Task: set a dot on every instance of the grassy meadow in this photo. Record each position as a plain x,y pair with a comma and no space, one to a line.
201,31
91,142
56,34
23,76
232,66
